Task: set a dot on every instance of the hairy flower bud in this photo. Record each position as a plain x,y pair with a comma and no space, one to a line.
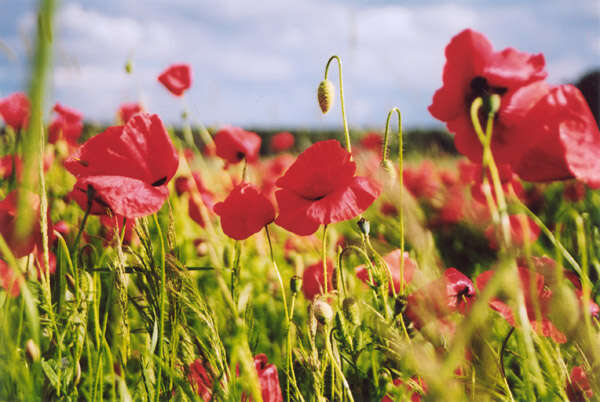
295,283
364,226
325,95
323,312
351,310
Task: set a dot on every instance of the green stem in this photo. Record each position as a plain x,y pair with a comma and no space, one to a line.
346,132
161,322
235,272
324,259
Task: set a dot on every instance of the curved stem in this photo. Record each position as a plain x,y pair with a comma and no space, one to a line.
346,132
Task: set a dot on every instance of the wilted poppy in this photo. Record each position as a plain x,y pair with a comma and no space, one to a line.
125,168
566,145
282,141
578,385
320,188
177,78
540,298
244,212
312,279
453,292
393,261
14,109
474,70
68,124
234,144
127,110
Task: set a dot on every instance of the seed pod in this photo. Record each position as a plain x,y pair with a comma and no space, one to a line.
364,226
351,310
323,312
325,95
295,283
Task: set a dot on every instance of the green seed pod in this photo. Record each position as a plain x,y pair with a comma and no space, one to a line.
295,283
323,312
351,310
325,95
364,226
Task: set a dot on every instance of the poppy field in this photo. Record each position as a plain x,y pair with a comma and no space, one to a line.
144,262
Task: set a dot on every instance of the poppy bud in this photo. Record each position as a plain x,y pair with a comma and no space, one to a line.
32,350
492,103
295,284
323,312
364,226
325,95
388,172
128,66
351,310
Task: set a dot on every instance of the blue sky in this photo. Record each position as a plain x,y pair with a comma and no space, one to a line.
258,63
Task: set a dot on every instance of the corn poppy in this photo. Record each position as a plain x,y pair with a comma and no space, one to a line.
8,280
14,110
282,141
578,385
201,379
320,188
312,279
393,261
8,216
564,137
127,110
244,212
125,168
177,78
68,124
517,231
372,141
268,379
415,396
541,297
473,69
234,144
453,292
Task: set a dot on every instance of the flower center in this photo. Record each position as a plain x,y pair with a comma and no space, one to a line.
159,182
481,88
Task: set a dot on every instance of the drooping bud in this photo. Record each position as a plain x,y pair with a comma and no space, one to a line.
295,283
364,226
388,173
325,95
32,350
323,312
351,310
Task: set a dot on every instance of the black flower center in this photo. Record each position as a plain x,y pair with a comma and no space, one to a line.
160,182
480,87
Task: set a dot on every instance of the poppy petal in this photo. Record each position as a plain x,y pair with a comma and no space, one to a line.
293,213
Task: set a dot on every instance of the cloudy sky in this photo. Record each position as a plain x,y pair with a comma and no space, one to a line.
258,63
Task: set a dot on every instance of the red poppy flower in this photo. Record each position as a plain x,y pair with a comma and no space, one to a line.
416,395
8,217
268,379
453,292
578,386
372,141
8,280
312,280
244,212
125,168
320,188
393,261
282,141
127,110
517,232
14,109
7,163
389,209
472,70
234,144
201,380
422,181
542,299
68,124
564,137
177,78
